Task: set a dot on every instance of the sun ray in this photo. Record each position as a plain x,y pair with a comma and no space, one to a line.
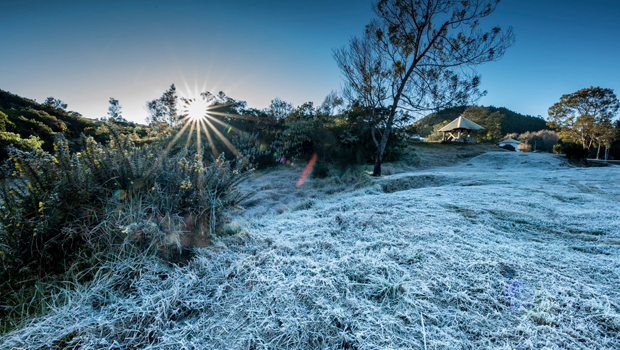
223,139
224,124
238,116
210,139
189,135
161,157
198,132
176,137
203,114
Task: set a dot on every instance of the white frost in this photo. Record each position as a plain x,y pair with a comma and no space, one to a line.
362,269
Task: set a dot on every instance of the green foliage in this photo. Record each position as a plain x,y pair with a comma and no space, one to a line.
491,121
3,120
64,208
437,135
557,148
342,139
266,138
487,117
29,119
11,139
585,116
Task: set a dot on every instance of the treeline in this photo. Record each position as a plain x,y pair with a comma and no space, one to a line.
280,133
497,121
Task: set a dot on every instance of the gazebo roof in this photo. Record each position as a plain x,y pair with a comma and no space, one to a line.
461,123
510,141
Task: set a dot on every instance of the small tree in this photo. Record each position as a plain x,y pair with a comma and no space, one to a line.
114,111
55,103
279,109
331,103
164,109
583,115
421,56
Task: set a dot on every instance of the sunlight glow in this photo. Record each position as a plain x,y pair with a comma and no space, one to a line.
196,109
198,113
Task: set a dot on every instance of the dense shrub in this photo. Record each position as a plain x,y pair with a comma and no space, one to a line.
575,151
65,208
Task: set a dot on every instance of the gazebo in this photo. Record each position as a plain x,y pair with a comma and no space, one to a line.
460,125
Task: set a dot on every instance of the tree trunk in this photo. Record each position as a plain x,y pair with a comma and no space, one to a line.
606,152
598,151
374,136
376,171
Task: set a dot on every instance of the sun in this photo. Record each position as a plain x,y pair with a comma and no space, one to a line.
195,109
199,117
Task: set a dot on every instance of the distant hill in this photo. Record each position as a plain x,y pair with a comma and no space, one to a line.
25,123
509,121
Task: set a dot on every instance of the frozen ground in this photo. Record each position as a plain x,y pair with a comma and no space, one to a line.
505,251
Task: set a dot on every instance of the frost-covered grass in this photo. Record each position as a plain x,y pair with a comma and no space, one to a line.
508,251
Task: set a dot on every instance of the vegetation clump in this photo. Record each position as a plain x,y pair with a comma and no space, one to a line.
65,210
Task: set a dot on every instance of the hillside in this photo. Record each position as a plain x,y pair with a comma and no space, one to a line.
26,123
509,121
486,254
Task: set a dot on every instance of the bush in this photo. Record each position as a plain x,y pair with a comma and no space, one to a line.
575,151
557,148
68,208
8,139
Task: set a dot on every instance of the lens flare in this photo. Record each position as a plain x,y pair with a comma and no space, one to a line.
307,170
120,194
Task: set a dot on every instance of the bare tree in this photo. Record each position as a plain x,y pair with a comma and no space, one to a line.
420,55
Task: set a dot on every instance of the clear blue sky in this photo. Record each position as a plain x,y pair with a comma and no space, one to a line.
85,52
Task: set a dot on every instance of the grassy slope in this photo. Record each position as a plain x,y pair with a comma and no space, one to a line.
503,251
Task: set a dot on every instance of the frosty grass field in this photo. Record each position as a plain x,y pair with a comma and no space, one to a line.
505,251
